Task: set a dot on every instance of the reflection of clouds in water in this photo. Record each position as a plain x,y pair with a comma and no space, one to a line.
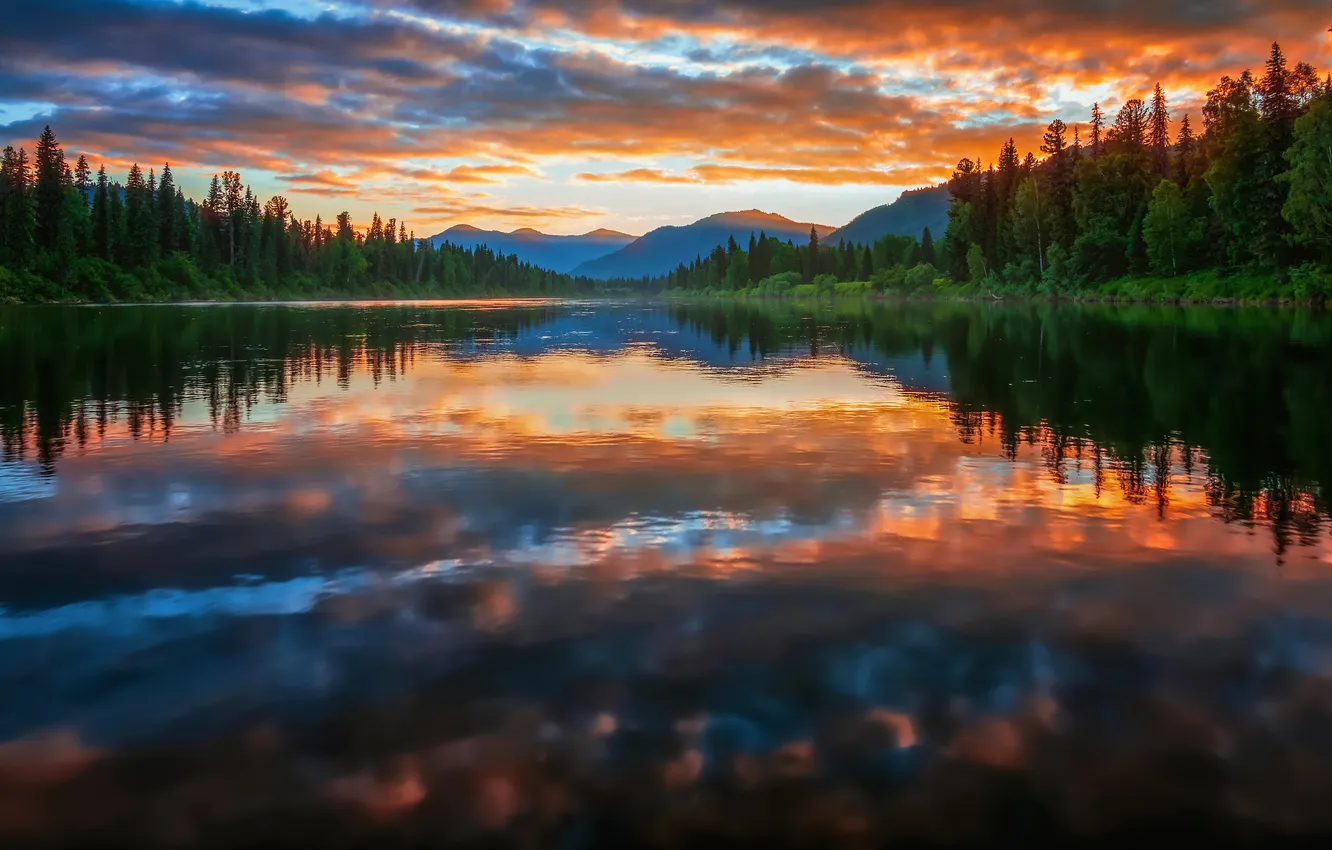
20,482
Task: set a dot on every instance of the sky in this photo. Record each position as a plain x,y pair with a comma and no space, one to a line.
572,115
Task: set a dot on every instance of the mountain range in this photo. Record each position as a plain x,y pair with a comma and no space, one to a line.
910,214
557,253
606,254
661,250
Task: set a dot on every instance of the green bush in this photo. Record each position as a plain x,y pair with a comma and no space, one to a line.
921,277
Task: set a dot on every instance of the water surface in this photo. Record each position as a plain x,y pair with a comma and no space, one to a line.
606,575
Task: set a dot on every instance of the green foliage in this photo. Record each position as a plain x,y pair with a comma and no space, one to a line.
1108,203
1308,207
920,277
145,242
977,268
1173,235
824,282
1249,200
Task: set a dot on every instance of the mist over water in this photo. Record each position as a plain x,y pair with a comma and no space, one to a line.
567,574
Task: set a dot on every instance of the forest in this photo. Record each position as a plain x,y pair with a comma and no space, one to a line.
66,234
1138,207
1143,206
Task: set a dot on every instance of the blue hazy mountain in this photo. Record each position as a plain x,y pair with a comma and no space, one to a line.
661,250
910,214
557,253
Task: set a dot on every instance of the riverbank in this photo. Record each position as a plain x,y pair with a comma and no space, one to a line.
1302,286
1306,286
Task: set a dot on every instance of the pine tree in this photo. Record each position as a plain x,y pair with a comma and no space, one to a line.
1054,142
1097,129
17,221
1276,100
1185,145
103,238
1158,131
48,193
927,247
168,236
82,180
811,269
141,237
115,213
185,222
1130,129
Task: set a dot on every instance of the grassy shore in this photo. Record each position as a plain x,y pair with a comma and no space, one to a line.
1302,286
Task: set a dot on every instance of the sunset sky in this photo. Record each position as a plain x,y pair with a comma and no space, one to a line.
569,115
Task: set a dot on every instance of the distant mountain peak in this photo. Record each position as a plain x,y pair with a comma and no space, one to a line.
662,249
557,253
602,231
909,215
750,217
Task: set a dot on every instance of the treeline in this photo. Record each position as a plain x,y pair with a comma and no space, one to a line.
769,266
1143,206
66,233
1146,195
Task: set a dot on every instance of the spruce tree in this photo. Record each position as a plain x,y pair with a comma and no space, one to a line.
116,225
17,221
1185,145
82,180
1097,129
141,237
168,223
48,193
103,244
1158,131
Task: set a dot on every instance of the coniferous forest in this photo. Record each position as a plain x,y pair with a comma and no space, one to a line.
69,234
1146,204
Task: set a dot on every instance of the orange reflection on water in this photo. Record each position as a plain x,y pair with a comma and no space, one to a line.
808,461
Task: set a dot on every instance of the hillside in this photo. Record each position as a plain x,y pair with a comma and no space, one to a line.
557,253
915,210
661,250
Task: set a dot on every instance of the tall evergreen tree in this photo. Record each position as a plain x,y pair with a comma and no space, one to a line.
1130,129
82,180
1185,145
1158,131
1097,129
18,223
168,224
141,237
103,235
48,193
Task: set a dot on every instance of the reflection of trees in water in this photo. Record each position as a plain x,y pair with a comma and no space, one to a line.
1132,396
71,371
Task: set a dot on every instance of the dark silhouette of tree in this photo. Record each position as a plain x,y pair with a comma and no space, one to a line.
83,180
1185,146
1158,131
1097,129
1129,132
48,193
168,224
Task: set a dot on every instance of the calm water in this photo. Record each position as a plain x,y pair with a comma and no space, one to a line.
587,575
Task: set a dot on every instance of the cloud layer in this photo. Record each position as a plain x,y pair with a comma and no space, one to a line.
517,112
